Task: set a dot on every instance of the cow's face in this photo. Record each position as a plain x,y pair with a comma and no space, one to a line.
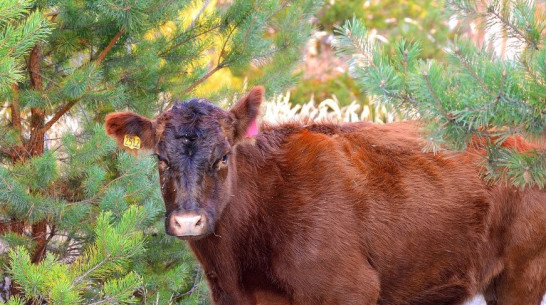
194,143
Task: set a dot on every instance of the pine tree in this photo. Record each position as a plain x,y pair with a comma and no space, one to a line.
84,221
473,97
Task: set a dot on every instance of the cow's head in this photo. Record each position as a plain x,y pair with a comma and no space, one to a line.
194,142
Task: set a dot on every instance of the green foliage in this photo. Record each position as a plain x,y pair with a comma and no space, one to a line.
15,301
98,212
424,21
105,263
473,93
19,32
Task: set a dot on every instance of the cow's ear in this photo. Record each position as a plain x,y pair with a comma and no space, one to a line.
132,131
245,114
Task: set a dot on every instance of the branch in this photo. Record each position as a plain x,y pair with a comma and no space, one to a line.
224,45
470,70
15,115
113,41
361,48
201,11
58,115
16,153
176,45
435,98
98,265
512,27
70,104
106,259
162,5
194,287
198,82
501,86
245,44
6,152
112,299
101,191
53,15
203,78
37,114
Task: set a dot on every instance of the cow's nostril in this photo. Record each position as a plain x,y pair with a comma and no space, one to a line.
187,224
176,223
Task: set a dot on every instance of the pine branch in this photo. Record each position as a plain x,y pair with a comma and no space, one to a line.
119,290
501,86
98,265
13,9
51,81
359,47
435,97
404,99
222,51
281,7
193,288
6,152
162,5
461,7
102,190
31,33
203,78
58,115
468,68
15,115
113,41
269,53
245,40
190,38
513,28
353,39
201,11
70,104
219,66
109,300
107,258
16,153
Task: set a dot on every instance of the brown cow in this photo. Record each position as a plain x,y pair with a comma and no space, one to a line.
337,214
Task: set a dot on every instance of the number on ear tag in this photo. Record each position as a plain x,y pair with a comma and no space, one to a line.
133,142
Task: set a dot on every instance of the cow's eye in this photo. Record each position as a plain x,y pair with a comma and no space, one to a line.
221,163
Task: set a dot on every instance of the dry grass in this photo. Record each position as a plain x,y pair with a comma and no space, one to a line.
279,109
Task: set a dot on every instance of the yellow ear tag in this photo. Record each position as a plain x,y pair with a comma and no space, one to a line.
133,142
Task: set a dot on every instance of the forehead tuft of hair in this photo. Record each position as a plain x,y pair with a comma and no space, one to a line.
197,106
190,117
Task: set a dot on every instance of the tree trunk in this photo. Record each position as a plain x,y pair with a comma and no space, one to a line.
36,145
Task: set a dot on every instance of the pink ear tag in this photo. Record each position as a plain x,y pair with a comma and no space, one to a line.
252,129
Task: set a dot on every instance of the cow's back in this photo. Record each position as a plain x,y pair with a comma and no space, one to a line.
430,216
366,194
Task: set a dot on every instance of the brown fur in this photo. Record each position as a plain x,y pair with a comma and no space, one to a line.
358,214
